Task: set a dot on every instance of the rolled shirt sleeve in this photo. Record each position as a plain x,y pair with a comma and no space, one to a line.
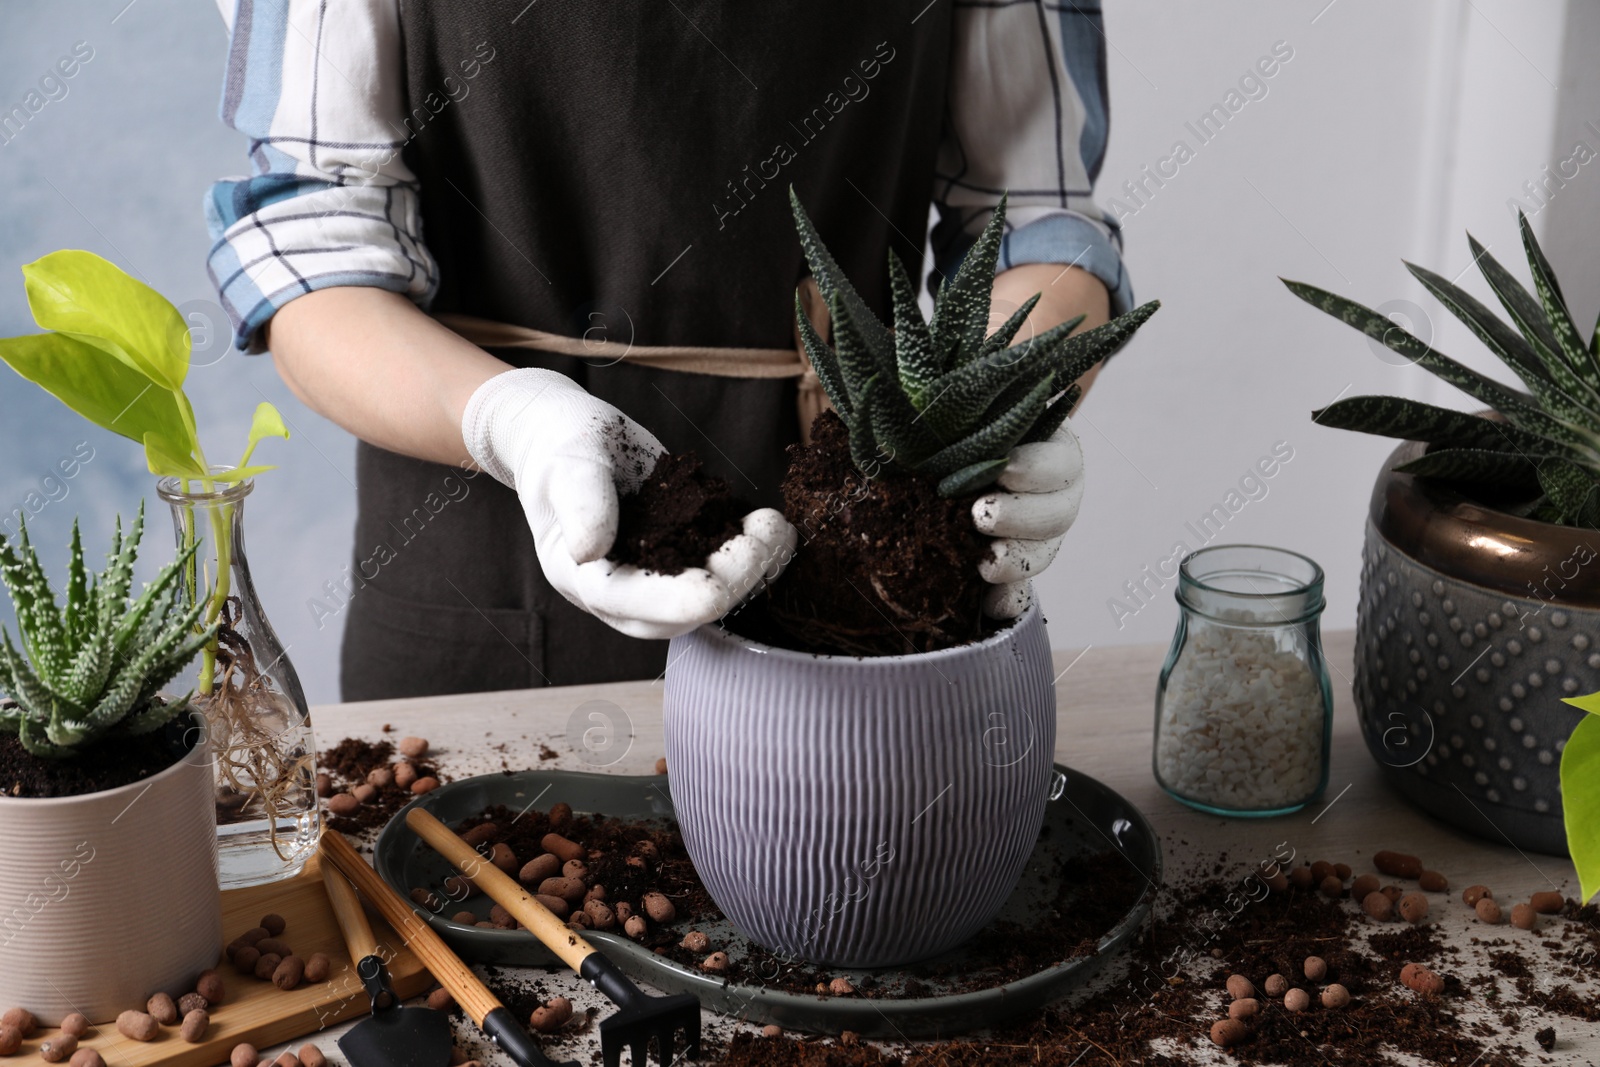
316,88
1027,117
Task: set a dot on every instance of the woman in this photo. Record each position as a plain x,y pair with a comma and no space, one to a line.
611,172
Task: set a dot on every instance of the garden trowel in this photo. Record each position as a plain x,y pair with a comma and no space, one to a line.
393,1036
410,1037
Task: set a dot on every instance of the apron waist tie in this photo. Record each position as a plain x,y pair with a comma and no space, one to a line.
811,399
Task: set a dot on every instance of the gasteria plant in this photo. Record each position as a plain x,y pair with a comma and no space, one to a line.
91,669
941,399
1541,457
118,356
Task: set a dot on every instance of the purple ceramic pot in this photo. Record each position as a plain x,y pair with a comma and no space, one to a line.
860,812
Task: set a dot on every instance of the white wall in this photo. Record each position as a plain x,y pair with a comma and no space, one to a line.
1394,128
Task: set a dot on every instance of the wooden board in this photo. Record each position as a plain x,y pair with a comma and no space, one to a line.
256,1011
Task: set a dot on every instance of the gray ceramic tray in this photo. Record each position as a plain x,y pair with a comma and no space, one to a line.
1086,817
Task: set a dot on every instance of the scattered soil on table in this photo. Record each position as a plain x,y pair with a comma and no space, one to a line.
349,762
885,566
1160,1012
677,518
109,764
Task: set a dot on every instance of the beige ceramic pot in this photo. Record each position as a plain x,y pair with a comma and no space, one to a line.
109,897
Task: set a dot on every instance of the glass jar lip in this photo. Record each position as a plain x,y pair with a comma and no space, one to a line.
1297,598
170,489
1300,588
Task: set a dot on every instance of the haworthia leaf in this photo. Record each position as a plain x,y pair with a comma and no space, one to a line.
1573,490
913,342
39,621
1082,351
857,361
961,306
960,398
992,441
1007,330
118,576
1054,416
1576,398
824,362
869,457
835,286
157,597
1556,315
898,427
1392,416
1512,348
78,612
972,478
1519,407
1499,470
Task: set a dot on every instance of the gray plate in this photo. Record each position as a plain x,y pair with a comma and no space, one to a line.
1085,817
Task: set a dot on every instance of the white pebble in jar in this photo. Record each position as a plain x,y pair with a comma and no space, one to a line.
1242,721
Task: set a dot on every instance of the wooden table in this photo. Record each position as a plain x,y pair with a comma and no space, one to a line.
1105,718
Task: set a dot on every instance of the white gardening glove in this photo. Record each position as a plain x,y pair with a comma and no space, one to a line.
1043,487
568,455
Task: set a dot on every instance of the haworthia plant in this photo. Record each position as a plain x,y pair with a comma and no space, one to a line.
1544,448
942,399
92,668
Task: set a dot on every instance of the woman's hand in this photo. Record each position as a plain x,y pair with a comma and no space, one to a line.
1042,487
568,456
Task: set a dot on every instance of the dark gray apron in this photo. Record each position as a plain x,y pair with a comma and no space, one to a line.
619,170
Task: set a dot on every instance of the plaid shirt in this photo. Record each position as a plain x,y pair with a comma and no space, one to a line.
316,87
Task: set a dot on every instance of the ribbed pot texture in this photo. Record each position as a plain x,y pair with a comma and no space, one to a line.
860,812
109,897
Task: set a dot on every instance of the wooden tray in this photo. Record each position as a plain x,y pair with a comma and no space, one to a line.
256,1011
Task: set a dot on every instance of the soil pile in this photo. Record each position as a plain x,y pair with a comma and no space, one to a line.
349,763
885,566
678,517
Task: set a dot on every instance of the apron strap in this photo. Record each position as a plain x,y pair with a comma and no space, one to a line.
811,399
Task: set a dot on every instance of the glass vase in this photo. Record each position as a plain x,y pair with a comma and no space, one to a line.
1244,707
255,709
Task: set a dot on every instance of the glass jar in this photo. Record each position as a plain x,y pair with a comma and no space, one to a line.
1244,708
256,713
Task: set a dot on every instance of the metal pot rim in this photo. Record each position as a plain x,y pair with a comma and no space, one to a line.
1446,531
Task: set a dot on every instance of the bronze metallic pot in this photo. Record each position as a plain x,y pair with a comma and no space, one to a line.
1472,625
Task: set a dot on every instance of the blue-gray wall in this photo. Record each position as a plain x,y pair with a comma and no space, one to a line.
119,166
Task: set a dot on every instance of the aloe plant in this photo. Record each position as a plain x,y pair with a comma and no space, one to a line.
942,399
1543,452
92,667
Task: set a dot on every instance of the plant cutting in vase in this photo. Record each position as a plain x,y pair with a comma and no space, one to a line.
118,355
838,779
1475,593
105,797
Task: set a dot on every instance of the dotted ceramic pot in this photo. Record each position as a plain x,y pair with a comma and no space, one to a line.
1472,626
860,812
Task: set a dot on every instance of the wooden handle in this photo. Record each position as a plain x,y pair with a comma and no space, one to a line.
502,889
358,936
474,998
